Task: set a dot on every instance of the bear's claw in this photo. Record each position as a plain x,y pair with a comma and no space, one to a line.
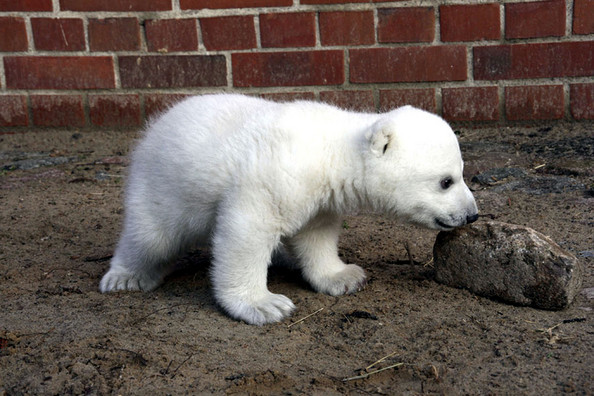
349,280
267,309
115,280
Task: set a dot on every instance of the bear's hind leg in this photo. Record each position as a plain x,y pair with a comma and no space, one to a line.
140,262
316,247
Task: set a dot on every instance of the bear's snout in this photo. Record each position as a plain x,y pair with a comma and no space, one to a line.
472,219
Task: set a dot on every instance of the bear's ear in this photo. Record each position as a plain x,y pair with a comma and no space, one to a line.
380,137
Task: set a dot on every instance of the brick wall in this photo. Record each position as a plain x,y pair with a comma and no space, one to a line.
86,64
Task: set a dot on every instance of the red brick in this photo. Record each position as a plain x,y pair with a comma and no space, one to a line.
201,4
172,71
583,16
13,110
422,98
402,25
298,68
57,110
469,22
534,102
59,72
114,110
295,29
542,60
228,33
347,28
13,34
155,104
58,34
114,34
470,104
168,35
288,96
350,100
536,19
332,1
582,101
26,5
115,5
408,64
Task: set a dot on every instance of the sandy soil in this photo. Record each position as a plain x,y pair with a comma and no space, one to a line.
58,335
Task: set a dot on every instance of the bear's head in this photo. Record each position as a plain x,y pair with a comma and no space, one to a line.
413,170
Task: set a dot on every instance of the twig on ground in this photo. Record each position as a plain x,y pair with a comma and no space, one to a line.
181,364
305,317
549,330
435,372
380,360
410,257
91,259
136,321
365,375
556,338
166,371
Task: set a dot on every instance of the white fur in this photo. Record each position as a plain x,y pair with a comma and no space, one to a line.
244,173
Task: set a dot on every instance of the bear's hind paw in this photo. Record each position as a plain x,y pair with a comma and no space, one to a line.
115,280
268,309
350,279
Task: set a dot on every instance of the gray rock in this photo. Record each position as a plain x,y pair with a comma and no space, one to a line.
508,262
517,179
495,176
36,162
544,185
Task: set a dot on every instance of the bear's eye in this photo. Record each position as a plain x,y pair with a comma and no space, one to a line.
446,183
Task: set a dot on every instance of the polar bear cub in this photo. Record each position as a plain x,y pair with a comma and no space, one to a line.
250,176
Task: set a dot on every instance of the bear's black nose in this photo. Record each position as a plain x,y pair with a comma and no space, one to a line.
471,219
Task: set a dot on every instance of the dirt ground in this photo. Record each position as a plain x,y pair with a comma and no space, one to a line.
403,334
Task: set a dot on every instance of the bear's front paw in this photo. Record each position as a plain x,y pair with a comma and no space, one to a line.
350,279
269,308
115,280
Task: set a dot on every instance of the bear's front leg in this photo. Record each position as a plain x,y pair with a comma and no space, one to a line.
242,251
316,247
